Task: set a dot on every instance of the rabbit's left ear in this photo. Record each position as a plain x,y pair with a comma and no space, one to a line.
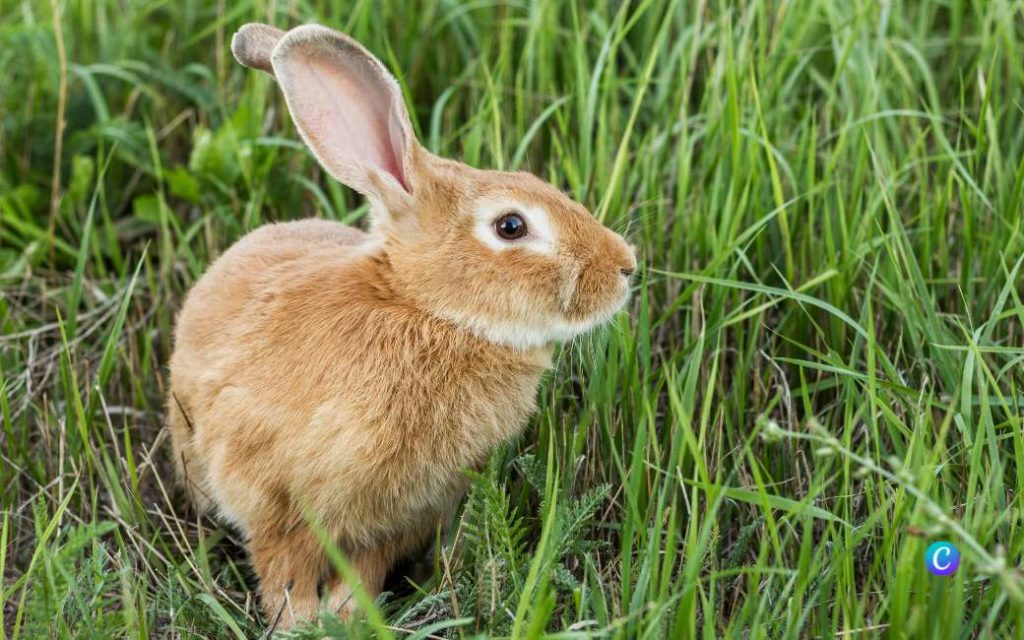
252,44
349,110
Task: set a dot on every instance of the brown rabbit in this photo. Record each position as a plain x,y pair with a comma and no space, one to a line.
319,369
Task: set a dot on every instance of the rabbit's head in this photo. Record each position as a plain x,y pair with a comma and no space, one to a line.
505,255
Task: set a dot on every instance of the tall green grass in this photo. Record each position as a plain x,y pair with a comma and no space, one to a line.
821,372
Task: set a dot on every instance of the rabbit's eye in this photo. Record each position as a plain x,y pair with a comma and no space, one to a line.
510,226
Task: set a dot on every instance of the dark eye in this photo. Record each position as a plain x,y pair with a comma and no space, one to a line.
510,226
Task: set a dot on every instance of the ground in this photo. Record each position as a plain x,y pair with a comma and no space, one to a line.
820,372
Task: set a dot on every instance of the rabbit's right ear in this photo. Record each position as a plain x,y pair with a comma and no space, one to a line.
349,110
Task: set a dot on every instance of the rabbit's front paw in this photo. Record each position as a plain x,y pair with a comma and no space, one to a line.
372,567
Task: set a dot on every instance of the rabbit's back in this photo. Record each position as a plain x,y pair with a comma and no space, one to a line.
222,306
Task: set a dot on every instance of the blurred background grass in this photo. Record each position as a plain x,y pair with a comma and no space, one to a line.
821,371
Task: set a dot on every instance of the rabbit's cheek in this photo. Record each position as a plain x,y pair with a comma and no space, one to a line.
569,281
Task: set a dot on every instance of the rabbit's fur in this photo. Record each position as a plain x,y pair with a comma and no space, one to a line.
322,372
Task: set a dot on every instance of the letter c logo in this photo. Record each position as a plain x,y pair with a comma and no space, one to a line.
942,558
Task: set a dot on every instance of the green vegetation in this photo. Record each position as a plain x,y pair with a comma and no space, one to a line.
821,372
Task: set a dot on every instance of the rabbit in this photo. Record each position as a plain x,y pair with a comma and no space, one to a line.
323,373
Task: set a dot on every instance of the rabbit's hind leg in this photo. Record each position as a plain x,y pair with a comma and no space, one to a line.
289,564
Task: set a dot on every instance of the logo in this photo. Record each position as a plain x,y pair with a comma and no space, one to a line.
942,558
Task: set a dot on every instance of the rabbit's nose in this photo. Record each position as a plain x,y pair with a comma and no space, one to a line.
627,271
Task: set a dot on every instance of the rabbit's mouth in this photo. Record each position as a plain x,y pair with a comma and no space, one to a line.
575,325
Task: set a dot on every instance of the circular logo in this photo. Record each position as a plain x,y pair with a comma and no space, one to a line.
942,558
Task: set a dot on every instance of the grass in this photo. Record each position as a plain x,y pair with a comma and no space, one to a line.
821,371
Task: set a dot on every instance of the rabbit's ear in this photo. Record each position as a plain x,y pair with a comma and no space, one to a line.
253,43
349,110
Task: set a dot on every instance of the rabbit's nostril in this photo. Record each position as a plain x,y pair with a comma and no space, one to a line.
627,271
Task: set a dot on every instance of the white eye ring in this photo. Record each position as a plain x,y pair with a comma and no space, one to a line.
540,236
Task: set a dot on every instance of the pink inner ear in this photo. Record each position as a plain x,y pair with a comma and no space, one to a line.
343,106
396,135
